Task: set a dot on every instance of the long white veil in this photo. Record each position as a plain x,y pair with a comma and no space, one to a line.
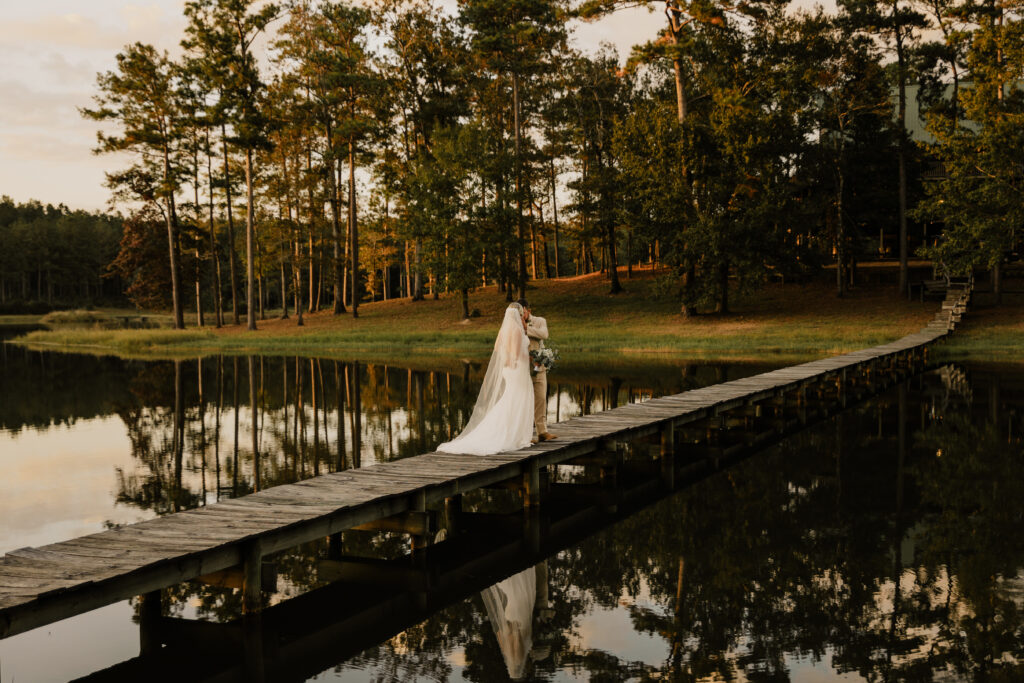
509,350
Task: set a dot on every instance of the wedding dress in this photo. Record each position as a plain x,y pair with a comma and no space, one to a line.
502,418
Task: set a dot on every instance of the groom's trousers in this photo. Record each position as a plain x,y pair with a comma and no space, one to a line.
540,401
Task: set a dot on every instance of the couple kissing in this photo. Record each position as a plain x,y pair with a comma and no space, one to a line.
513,395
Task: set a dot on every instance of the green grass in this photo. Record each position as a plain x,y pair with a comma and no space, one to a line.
989,332
790,322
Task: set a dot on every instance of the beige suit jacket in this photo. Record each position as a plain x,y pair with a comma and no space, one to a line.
537,331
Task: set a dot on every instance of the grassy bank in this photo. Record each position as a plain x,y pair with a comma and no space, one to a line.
989,332
782,321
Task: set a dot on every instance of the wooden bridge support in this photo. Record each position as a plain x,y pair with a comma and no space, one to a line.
252,583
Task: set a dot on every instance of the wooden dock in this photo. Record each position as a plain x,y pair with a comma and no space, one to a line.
39,586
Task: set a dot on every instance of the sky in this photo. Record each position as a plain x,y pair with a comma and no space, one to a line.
51,51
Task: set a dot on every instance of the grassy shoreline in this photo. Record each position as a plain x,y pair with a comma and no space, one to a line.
780,322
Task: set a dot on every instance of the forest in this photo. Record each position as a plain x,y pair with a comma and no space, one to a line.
315,156
53,257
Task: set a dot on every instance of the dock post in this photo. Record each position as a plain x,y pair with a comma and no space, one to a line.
252,568
334,546
150,613
531,484
667,454
452,512
419,504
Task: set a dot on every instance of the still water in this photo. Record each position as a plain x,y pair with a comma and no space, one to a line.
882,544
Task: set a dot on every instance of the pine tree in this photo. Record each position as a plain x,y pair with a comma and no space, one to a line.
139,98
223,32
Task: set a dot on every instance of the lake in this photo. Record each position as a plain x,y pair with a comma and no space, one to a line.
883,543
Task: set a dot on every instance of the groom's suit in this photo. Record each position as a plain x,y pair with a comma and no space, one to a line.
537,331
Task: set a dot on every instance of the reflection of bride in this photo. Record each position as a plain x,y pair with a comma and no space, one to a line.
509,606
502,418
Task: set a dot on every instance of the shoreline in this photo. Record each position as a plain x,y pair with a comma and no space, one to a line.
793,322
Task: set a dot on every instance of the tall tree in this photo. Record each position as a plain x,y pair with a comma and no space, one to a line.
424,66
511,39
898,25
139,97
224,31
599,97
980,144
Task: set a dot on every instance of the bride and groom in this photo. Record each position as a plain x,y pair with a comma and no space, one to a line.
510,402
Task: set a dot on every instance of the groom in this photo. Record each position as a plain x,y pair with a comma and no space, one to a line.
537,331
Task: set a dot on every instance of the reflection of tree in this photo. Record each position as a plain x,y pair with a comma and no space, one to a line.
195,427
45,389
972,482
829,545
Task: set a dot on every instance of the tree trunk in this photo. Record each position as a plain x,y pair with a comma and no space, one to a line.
199,260
408,272
901,153
250,244
259,280
232,266
172,239
353,226
465,304
533,244
284,286
554,210
218,303
723,287
544,242
840,238
519,192
689,276
997,282
339,295
417,284
629,254
297,289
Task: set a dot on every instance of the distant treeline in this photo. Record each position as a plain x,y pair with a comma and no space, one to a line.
52,257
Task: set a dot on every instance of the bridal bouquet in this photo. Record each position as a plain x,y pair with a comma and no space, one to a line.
544,359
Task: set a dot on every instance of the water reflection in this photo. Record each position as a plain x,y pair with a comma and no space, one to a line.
882,544
509,604
198,431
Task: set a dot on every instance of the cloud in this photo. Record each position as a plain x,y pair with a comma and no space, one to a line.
43,147
66,30
64,72
22,105
149,23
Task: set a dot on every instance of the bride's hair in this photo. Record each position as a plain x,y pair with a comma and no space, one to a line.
516,306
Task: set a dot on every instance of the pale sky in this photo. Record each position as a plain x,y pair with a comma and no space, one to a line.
51,51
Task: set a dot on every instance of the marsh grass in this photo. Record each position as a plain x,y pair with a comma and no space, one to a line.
782,322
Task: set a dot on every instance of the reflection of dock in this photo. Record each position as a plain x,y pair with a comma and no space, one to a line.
42,585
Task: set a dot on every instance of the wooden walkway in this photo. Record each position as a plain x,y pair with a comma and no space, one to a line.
42,585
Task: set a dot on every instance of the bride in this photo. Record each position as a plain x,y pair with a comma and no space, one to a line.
502,418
